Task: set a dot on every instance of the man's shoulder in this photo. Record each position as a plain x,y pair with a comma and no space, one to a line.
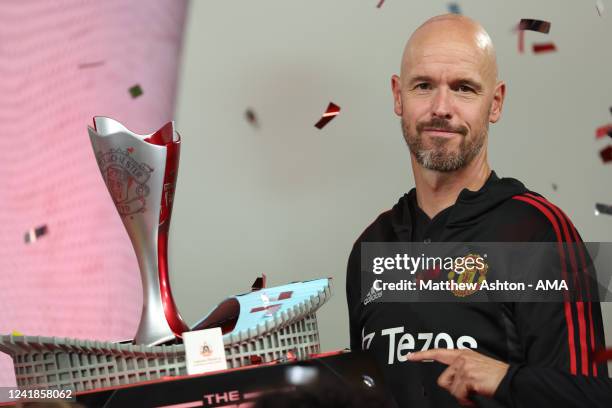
379,230
534,214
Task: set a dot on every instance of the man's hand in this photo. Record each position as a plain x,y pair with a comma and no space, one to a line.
468,372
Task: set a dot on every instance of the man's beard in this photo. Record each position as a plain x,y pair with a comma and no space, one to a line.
438,157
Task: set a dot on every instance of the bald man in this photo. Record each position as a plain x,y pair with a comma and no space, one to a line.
446,95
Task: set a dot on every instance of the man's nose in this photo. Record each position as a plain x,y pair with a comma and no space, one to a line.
441,105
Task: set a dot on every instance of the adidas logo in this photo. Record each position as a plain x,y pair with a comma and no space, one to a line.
372,295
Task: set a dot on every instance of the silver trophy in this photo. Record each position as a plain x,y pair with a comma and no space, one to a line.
140,173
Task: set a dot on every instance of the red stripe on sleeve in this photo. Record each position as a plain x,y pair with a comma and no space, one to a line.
579,304
567,307
583,261
575,238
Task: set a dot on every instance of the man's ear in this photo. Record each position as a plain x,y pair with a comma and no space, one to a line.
498,102
397,94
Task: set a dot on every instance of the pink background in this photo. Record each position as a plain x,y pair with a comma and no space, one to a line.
80,280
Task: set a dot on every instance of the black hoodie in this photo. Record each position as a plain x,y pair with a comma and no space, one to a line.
558,335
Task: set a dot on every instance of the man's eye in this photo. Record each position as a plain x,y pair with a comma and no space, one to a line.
465,88
423,85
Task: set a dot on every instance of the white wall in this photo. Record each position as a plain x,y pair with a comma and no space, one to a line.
289,200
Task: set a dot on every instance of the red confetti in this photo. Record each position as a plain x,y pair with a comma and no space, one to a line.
534,25
332,111
602,131
380,3
544,47
606,154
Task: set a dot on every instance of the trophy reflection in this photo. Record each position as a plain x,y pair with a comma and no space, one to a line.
140,174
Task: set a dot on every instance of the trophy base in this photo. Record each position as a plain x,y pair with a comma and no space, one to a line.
82,365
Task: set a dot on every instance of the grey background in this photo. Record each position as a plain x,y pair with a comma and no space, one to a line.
289,200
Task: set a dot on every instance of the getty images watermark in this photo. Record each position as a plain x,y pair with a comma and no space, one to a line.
483,272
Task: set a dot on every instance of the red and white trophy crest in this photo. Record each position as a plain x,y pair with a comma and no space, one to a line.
140,174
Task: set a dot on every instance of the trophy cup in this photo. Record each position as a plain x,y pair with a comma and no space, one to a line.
140,174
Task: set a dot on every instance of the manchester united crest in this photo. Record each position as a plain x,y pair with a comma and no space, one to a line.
205,350
475,273
126,180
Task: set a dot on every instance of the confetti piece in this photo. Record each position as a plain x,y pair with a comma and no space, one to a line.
603,209
554,186
33,234
251,118
16,333
454,8
544,47
600,7
259,283
380,3
91,64
521,41
534,25
611,110
332,111
136,91
602,131
606,154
